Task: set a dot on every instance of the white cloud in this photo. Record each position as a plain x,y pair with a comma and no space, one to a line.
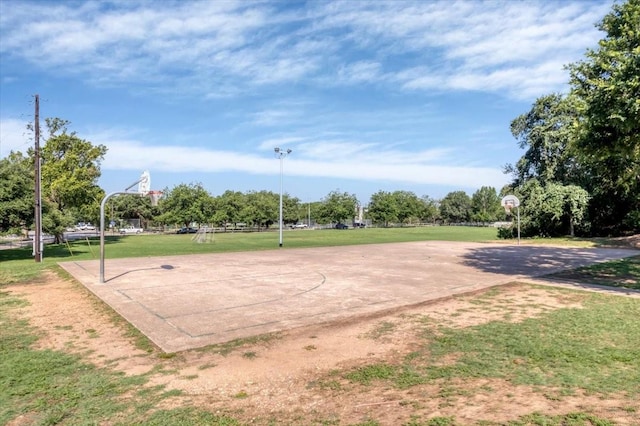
516,48
327,159
359,72
283,142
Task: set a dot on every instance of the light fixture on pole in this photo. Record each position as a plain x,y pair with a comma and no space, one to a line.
280,154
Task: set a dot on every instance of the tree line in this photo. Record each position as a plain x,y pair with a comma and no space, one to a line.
71,167
579,175
186,204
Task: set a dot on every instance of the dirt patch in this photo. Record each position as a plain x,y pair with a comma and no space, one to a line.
288,377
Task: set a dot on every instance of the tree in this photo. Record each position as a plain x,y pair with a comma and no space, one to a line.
70,170
607,86
185,204
228,207
485,205
131,207
430,211
409,205
17,203
546,132
290,209
338,207
69,174
261,208
455,207
553,209
383,208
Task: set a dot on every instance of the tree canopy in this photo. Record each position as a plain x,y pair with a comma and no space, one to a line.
485,205
586,145
16,193
546,133
185,204
455,207
338,206
607,85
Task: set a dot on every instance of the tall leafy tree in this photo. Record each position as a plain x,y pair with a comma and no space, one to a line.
228,209
16,193
69,174
185,204
430,211
290,209
546,133
409,205
485,205
455,207
338,207
260,208
607,85
383,208
553,209
70,170
131,207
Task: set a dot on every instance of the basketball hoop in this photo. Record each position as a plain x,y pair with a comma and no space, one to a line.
509,202
154,196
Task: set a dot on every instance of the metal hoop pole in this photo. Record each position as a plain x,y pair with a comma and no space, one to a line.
518,212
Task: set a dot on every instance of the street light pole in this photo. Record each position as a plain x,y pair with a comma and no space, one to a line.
280,154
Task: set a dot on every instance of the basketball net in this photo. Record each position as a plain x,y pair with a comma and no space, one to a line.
508,206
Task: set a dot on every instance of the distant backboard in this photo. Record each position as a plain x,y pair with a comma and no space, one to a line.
510,200
144,186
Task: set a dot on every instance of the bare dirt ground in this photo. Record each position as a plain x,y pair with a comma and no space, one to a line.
289,377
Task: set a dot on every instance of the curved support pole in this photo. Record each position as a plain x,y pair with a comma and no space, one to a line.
102,205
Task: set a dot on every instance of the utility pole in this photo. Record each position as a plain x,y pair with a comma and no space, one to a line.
37,237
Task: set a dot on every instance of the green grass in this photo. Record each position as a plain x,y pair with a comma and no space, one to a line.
48,387
595,349
534,419
623,273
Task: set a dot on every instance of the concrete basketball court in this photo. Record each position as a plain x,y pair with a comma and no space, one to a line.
185,302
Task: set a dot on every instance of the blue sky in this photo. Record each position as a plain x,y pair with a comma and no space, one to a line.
369,95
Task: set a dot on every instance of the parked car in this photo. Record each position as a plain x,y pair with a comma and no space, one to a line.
130,230
81,226
359,225
299,226
341,226
186,231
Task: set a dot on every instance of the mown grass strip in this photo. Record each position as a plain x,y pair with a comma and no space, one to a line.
623,273
45,387
595,349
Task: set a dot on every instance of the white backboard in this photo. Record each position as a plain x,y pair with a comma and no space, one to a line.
144,186
512,200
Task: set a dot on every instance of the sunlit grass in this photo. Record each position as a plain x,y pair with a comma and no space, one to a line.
594,349
624,273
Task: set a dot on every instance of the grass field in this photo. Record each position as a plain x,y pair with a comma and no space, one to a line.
589,348
623,273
